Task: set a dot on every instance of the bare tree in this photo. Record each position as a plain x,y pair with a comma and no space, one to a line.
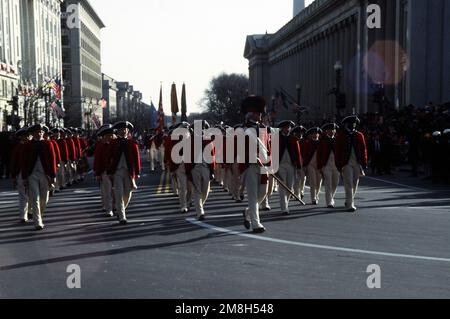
224,96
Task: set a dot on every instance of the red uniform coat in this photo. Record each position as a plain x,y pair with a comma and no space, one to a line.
76,141
344,144
57,151
46,153
309,149
16,156
326,146
63,149
100,158
132,157
292,145
72,151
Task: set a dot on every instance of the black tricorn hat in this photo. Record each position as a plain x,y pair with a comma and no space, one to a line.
286,123
314,130
330,126
105,129
254,104
38,127
299,129
122,125
22,132
352,119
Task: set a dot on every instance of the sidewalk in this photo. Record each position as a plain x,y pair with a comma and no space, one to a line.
402,175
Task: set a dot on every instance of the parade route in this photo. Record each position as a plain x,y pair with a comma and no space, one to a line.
402,226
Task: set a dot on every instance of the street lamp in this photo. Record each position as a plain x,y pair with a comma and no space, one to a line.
340,96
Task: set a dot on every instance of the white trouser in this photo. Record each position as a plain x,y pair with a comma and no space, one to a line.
286,173
300,182
123,188
72,171
270,188
182,183
220,174
60,178
152,157
161,159
237,187
331,182
23,198
256,192
315,182
201,187
106,191
39,194
351,174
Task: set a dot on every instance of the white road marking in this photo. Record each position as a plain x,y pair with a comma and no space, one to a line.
309,245
398,184
416,207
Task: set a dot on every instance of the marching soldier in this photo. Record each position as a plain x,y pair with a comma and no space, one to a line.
38,167
290,161
123,167
179,170
272,185
72,158
49,137
237,186
105,136
300,176
16,174
326,155
255,182
159,149
58,135
351,158
200,171
312,172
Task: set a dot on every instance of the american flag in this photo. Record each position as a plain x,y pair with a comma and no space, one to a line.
103,103
56,107
96,121
161,115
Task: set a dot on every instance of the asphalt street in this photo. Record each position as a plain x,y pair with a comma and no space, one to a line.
402,225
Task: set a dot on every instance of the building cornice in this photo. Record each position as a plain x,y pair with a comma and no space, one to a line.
92,13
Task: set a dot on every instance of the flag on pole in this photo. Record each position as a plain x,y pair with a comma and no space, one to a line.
161,115
183,104
96,121
57,108
174,103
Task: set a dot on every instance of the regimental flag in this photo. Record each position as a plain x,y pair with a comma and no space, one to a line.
174,103
154,116
183,104
161,115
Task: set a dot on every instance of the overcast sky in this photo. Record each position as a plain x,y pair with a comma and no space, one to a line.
147,42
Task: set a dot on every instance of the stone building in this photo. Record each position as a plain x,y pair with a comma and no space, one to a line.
331,45
82,74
